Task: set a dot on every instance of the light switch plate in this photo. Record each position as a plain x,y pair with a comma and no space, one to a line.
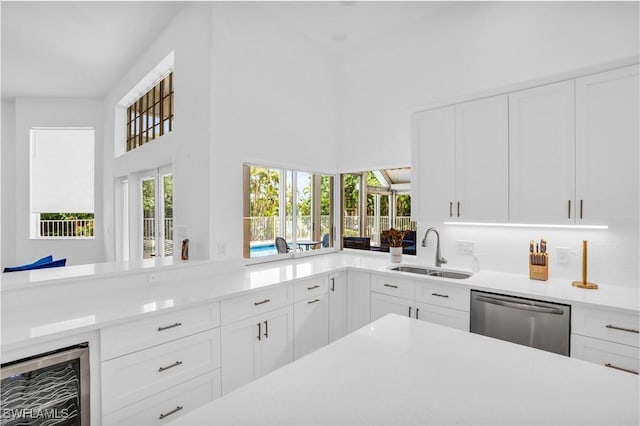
466,248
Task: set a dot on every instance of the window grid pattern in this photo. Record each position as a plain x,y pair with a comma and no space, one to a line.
151,116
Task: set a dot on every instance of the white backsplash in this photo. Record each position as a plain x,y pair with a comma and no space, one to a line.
613,255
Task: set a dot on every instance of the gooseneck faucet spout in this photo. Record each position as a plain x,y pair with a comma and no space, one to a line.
439,259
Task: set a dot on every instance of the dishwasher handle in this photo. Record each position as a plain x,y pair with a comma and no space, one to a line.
522,306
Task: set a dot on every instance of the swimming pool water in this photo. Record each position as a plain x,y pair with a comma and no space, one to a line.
263,250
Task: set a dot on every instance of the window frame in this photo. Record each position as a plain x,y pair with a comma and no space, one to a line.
282,195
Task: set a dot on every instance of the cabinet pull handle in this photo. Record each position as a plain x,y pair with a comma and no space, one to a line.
259,331
450,208
312,287
458,208
260,303
175,364
333,284
417,311
568,209
621,369
266,329
175,410
629,330
439,295
389,285
313,301
167,327
409,311
581,202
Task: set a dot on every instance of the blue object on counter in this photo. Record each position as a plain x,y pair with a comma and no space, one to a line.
45,262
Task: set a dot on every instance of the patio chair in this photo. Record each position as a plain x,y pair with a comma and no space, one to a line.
325,240
281,245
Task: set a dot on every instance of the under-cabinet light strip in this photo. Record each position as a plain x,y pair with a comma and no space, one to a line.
528,225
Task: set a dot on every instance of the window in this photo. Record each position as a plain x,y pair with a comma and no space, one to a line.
151,115
157,214
294,205
62,182
374,201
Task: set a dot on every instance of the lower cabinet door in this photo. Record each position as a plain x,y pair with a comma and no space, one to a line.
443,316
169,404
337,306
255,346
613,355
311,320
358,299
382,304
240,343
276,346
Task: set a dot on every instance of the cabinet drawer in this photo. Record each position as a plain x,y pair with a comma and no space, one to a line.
613,355
614,326
122,339
255,303
446,295
304,289
394,286
133,377
169,404
443,316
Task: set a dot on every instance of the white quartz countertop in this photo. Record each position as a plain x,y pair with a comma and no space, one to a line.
400,371
87,297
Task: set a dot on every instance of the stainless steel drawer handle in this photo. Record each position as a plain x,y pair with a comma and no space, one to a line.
392,286
260,303
167,327
313,301
440,295
313,287
523,306
175,364
175,410
629,330
620,368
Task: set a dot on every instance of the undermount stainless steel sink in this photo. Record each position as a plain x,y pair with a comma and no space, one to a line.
432,272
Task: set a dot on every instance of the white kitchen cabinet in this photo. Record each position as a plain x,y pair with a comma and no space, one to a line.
382,304
482,161
358,303
607,337
337,305
453,318
433,158
254,346
130,378
607,134
311,319
461,156
169,404
542,154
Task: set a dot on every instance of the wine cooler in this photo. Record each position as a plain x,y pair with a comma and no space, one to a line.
51,389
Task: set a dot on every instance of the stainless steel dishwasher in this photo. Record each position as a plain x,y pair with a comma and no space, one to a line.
529,322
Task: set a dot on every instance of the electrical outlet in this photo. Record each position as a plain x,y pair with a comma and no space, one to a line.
222,249
563,255
466,248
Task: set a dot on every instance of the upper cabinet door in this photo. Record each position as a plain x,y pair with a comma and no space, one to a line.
433,164
482,160
607,147
542,154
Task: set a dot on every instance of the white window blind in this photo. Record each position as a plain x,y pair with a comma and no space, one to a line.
62,170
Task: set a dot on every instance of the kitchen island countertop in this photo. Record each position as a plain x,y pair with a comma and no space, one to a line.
400,371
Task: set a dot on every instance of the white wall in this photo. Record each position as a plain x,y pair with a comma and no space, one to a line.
187,146
8,158
472,48
273,99
18,248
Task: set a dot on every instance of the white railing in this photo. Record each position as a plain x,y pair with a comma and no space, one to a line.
149,237
66,228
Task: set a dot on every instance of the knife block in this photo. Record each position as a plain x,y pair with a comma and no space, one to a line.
539,272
